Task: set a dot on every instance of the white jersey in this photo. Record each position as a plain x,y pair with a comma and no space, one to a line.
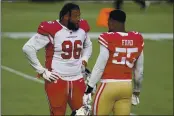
65,49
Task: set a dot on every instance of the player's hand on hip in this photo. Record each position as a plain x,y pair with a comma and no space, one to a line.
84,64
135,98
49,76
87,99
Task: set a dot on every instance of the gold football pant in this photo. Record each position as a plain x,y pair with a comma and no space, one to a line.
113,97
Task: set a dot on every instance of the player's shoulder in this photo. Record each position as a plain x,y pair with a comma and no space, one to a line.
51,24
84,25
108,35
136,34
49,27
103,38
107,39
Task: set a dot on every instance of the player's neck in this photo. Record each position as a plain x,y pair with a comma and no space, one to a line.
119,27
119,30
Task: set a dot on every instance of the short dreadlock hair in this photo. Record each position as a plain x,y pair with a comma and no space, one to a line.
68,8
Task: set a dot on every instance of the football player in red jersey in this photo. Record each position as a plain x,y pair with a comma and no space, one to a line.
121,54
67,50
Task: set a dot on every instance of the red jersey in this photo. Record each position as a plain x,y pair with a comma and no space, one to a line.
124,50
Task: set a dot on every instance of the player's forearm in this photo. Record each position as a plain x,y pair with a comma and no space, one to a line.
138,73
138,81
30,49
30,53
99,66
87,50
95,77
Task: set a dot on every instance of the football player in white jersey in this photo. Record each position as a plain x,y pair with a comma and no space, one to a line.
67,49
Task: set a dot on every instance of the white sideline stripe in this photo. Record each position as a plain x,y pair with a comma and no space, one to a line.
93,35
27,76
22,74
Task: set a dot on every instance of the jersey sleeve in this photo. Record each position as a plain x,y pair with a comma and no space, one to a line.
102,39
87,48
139,38
99,66
84,25
138,73
48,28
140,42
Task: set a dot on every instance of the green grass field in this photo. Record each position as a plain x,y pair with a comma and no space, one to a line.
25,97
158,17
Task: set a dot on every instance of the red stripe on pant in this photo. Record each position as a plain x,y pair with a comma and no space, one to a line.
97,97
63,92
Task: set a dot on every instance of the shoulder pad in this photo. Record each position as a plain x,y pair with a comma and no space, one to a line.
103,40
49,28
138,37
83,24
